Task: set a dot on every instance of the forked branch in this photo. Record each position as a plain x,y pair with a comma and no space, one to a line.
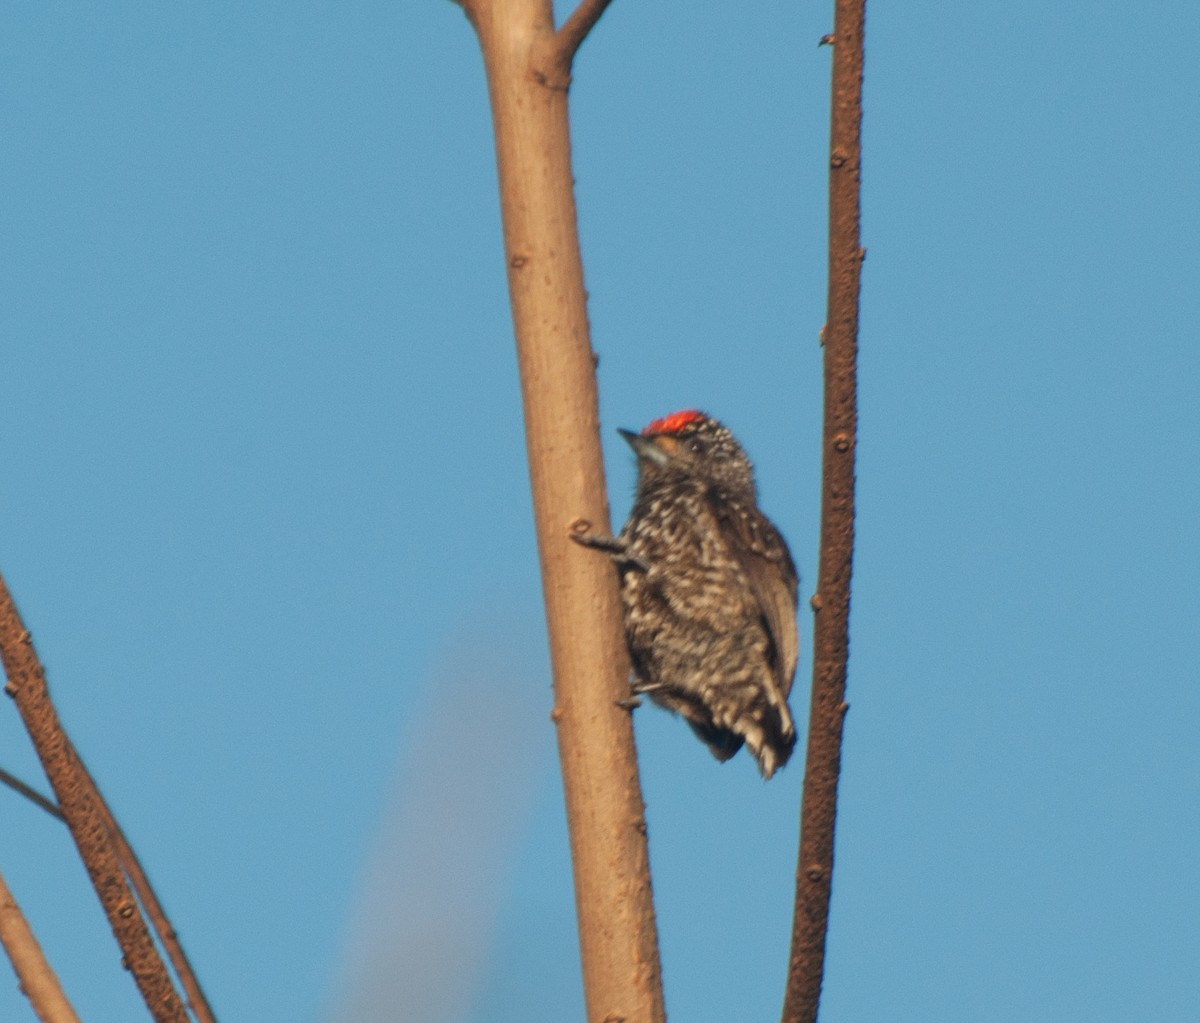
553,53
79,803
528,69
163,928
576,28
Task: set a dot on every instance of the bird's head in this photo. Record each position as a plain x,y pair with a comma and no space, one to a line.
692,444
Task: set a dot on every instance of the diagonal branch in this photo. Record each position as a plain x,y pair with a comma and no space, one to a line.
163,929
78,801
197,1001
576,28
30,793
814,871
554,52
38,980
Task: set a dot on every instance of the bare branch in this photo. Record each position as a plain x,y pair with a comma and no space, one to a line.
38,979
30,793
576,28
528,73
468,7
814,871
168,937
163,929
78,801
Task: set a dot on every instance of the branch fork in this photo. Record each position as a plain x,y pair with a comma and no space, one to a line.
574,31
554,53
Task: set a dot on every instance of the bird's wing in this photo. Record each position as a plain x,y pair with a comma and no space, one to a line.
767,563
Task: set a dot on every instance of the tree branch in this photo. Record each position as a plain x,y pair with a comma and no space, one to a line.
527,81
168,937
576,28
37,977
831,646
30,793
78,800
553,53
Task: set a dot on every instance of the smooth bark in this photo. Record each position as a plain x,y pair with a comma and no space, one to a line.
38,980
528,67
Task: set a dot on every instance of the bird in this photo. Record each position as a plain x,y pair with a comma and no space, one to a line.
709,590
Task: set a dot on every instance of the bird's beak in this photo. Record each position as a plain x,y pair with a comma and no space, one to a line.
652,449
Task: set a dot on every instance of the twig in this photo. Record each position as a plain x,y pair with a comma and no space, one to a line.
576,28
36,975
163,929
814,872
30,793
554,52
77,799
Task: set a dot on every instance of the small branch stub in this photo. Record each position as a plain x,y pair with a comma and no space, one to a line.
576,28
554,53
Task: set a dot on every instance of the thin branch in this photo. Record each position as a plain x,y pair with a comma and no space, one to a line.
37,977
77,798
576,28
163,928
814,871
30,793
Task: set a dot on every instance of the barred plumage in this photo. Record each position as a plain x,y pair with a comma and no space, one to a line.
709,590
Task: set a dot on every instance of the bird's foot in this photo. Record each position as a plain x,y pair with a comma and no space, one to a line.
614,546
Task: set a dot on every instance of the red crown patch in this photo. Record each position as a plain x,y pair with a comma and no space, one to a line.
674,423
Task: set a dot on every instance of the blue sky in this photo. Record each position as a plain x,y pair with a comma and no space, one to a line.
266,511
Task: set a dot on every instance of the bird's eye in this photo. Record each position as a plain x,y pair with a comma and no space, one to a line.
695,445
